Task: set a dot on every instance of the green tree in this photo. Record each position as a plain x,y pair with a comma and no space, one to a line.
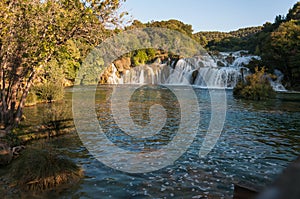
32,31
140,58
294,13
281,49
51,85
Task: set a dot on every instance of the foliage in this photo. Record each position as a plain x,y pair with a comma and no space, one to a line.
33,32
68,58
54,120
12,139
282,50
32,98
140,58
277,43
51,86
173,25
256,87
279,46
228,41
294,13
43,169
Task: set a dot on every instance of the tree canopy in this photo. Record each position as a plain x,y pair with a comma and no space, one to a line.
33,32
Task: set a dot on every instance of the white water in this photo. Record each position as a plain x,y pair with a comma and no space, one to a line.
277,86
199,71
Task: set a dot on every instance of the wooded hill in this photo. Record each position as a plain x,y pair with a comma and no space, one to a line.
277,43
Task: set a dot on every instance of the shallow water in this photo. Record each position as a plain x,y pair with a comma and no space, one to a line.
258,140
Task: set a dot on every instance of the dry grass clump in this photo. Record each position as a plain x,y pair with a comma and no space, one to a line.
39,169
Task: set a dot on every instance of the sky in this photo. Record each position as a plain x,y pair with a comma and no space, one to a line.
209,15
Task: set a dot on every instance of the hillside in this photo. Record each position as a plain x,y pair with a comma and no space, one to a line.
240,33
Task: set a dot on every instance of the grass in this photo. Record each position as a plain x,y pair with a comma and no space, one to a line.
42,168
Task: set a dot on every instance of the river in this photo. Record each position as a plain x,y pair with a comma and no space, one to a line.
258,140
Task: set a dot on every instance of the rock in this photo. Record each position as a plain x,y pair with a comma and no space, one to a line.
194,76
157,61
6,154
122,64
220,64
286,185
230,59
200,64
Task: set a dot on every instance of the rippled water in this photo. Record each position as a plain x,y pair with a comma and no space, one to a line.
259,139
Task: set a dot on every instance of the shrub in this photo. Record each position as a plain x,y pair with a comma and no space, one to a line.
39,169
140,58
49,91
255,87
31,99
51,84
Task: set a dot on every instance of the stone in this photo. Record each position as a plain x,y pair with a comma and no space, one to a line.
122,64
220,64
194,76
230,59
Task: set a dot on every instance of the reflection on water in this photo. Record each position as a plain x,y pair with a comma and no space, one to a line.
259,139
139,105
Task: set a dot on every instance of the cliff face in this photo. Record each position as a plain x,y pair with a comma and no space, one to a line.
121,65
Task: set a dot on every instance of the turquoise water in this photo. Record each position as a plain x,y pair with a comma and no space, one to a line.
258,140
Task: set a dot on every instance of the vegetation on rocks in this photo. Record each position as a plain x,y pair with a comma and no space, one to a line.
255,87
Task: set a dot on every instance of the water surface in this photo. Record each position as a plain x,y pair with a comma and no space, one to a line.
259,139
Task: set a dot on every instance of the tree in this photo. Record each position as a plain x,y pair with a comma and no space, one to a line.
280,49
294,13
32,31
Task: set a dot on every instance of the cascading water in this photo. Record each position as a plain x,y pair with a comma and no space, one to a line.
199,71
277,83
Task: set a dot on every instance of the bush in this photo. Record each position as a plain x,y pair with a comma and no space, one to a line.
31,99
51,84
140,58
39,169
256,87
49,91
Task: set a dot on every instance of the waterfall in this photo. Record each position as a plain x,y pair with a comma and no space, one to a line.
224,77
114,79
277,86
201,71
